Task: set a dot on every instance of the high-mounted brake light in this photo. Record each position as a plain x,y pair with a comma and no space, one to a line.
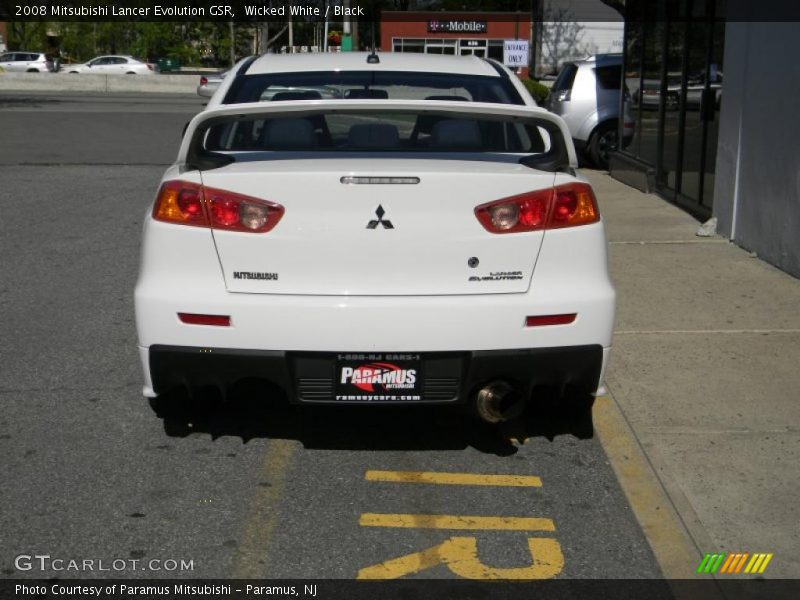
187,203
563,206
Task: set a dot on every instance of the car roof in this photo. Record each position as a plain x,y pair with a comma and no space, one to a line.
357,61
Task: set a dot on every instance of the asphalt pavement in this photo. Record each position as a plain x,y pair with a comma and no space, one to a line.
252,488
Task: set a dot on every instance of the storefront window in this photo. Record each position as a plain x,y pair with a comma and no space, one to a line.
634,31
440,46
673,69
408,45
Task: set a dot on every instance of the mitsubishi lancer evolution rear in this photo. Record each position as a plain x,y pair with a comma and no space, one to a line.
376,251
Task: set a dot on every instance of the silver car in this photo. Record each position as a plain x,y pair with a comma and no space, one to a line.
112,65
209,84
26,62
586,94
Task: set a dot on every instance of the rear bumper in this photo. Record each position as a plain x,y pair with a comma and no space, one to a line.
308,377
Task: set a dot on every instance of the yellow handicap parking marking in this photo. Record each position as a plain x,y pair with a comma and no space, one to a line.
460,554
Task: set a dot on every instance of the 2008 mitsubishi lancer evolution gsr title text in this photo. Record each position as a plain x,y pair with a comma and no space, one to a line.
383,229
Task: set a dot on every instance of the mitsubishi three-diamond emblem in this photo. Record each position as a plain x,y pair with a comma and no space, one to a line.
387,224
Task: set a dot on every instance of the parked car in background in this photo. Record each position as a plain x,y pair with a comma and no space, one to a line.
111,65
209,83
649,94
586,94
26,62
315,76
696,88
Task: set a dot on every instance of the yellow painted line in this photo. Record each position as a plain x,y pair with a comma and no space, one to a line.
456,522
453,478
250,560
765,563
672,545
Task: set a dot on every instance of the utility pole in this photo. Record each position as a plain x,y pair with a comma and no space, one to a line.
537,15
325,34
291,33
233,43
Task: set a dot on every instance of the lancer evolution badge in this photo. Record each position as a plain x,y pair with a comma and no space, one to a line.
387,224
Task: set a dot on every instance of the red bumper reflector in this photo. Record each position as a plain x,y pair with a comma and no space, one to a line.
550,320
218,320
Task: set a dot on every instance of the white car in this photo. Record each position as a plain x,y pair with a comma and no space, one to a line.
26,62
377,250
111,65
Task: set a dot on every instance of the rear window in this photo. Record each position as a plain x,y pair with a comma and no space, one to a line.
390,85
609,78
565,78
378,131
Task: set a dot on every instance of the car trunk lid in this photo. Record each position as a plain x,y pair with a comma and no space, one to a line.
388,227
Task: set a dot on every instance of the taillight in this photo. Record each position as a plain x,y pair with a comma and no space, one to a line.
563,206
180,202
203,80
236,212
188,203
573,204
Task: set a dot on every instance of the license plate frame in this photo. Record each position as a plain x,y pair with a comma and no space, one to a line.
378,377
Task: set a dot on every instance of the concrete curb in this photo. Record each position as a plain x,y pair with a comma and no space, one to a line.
66,82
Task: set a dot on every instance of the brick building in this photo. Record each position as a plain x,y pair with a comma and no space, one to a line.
456,33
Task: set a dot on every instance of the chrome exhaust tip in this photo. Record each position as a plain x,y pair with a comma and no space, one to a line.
499,401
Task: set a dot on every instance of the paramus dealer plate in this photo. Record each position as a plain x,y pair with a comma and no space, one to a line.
369,377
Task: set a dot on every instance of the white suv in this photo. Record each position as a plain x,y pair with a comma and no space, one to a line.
26,62
367,249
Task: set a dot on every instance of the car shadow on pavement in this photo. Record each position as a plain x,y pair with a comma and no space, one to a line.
259,410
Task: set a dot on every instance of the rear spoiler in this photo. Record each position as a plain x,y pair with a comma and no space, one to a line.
561,155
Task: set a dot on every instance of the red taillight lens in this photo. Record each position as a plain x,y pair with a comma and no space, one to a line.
203,80
526,212
236,212
188,203
574,204
563,206
541,320
195,319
